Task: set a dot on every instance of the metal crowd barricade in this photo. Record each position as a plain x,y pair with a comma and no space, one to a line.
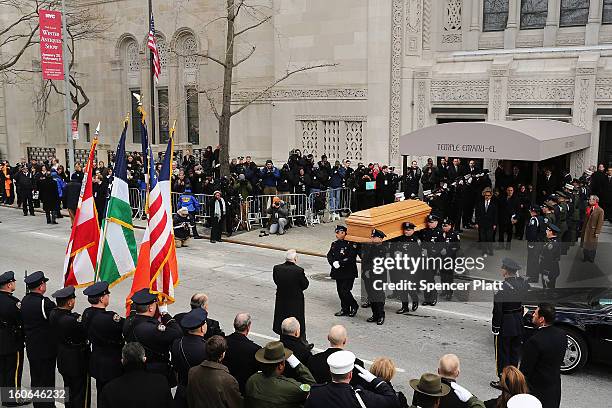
136,202
204,200
327,204
257,206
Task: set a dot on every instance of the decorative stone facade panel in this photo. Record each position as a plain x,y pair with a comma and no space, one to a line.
338,138
453,92
395,114
414,18
300,94
538,91
603,90
451,33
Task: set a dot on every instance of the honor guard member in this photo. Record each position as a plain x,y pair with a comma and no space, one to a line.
573,215
562,220
11,337
155,336
188,351
411,246
340,394
507,322
72,348
534,235
451,245
551,254
104,330
40,343
342,256
431,238
376,298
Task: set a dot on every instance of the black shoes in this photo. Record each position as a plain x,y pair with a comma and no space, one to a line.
198,237
404,309
371,319
341,313
353,312
380,321
366,304
415,305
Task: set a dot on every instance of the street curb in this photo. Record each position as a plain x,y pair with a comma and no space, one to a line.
269,246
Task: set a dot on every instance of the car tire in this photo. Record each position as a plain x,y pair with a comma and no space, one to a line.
577,352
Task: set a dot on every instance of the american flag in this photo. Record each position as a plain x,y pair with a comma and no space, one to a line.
152,44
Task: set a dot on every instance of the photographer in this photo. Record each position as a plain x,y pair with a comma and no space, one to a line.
269,177
278,216
181,227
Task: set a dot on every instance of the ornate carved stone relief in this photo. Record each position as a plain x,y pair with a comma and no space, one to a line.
459,91
537,91
452,22
413,16
396,78
295,94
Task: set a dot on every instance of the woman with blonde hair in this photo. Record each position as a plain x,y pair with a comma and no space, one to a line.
512,382
384,367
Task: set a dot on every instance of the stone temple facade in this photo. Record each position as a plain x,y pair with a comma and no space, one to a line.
401,65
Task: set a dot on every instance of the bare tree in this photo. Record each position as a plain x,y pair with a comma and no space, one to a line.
229,62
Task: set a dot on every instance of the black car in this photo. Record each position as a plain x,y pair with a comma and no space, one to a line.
586,316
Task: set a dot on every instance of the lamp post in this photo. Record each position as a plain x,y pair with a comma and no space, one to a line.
65,51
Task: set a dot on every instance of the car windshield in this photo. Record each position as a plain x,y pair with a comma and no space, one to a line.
603,300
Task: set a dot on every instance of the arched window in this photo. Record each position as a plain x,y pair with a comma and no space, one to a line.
495,15
131,66
533,13
189,63
574,13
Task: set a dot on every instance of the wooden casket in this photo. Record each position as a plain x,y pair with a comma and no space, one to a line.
387,218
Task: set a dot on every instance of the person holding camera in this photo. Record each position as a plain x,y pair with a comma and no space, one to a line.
182,227
278,216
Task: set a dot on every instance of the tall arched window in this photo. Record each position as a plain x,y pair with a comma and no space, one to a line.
131,65
189,64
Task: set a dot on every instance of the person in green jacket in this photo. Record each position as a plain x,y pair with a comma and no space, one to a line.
269,388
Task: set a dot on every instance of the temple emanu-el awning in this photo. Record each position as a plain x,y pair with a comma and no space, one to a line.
529,139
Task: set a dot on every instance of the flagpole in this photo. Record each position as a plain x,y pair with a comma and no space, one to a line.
69,140
152,80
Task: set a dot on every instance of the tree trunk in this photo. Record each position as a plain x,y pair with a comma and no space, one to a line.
226,112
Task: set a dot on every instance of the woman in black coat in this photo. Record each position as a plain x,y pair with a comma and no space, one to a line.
49,195
291,282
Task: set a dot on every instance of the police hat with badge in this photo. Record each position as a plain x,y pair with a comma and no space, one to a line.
408,226
194,319
35,279
144,297
376,233
432,218
510,265
340,228
64,293
97,289
7,277
553,228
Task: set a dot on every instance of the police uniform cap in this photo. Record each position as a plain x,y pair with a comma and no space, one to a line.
554,228
194,319
97,289
510,264
524,401
447,221
341,362
432,217
7,277
376,233
340,228
35,279
534,208
569,186
143,297
408,225
64,293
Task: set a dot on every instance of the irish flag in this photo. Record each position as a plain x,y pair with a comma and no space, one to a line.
117,249
81,254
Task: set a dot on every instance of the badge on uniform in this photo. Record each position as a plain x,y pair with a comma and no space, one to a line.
161,328
116,318
80,319
18,305
305,387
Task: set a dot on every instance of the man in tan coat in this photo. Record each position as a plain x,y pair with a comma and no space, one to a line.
210,385
591,228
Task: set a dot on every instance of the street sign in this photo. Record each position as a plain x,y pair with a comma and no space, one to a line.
75,130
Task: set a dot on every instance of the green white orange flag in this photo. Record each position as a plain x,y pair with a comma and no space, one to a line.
81,254
117,252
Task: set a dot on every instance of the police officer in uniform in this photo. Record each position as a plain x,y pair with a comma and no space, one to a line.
411,246
188,351
339,392
104,332
507,322
534,234
72,348
376,299
11,337
562,221
342,256
451,245
40,343
551,254
431,238
156,336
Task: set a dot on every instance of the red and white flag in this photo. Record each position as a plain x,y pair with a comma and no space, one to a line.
82,251
152,45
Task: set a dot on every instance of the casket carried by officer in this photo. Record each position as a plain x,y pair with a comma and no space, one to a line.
387,218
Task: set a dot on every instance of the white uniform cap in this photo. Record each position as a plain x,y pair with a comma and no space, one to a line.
524,401
341,362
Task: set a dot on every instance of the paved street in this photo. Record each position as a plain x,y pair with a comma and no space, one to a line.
238,278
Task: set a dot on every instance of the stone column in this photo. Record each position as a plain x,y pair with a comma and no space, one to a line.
592,28
175,99
474,33
584,111
422,102
498,100
552,23
511,26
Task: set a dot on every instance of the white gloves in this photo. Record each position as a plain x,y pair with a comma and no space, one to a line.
336,264
163,309
463,394
495,332
365,374
293,361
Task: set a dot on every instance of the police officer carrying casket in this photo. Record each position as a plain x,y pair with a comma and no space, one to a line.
451,243
376,298
11,337
431,239
534,233
507,321
342,256
104,333
155,336
551,254
72,348
411,246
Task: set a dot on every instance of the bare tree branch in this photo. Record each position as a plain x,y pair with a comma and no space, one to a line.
279,80
240,61
253,26
211,101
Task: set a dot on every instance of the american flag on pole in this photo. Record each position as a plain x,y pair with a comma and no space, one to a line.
157,268
152,45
